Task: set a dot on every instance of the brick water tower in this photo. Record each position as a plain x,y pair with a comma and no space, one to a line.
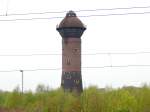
71,30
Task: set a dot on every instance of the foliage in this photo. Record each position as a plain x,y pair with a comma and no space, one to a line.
93,99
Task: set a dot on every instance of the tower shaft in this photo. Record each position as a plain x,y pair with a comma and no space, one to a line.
71,30
71,64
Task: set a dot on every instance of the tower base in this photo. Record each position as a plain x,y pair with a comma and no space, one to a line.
72,81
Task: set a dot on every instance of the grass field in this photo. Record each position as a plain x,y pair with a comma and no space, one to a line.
93,99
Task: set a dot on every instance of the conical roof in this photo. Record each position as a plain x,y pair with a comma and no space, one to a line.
71,20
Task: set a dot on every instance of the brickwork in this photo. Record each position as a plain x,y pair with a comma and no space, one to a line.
71,54
72,81
71,30
71,64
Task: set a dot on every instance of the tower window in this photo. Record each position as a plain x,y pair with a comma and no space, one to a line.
76,82
68,76
68,61
75,51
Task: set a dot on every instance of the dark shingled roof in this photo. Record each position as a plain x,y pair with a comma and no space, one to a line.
71,20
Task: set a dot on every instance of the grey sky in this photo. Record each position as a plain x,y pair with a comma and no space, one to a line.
126,33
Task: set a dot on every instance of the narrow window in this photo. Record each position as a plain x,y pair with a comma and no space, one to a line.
68,61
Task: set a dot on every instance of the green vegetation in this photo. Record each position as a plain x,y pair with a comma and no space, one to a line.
93,99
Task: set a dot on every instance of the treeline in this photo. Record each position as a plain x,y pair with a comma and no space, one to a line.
93,99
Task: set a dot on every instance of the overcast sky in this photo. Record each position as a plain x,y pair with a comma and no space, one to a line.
104,34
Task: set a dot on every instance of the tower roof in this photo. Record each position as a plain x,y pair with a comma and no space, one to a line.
71,26
71,20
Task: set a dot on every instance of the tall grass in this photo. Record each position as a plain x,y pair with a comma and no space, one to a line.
93,99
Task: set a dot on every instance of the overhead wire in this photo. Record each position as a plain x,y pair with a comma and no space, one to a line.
83,16
28,54
88,67
29,70
98,53
26,19
33,13
115,14
118,53
116,66
86,10
79,16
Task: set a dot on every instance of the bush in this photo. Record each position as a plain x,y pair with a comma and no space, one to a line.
93,99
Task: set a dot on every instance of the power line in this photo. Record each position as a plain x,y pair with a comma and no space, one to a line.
30,70
9,70
90,67
26,19
115,14
33,13
117,66
118,53
86,10
119,8
100,53
84,16
45,69
28,54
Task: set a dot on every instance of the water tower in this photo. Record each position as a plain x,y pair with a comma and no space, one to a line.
71,30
